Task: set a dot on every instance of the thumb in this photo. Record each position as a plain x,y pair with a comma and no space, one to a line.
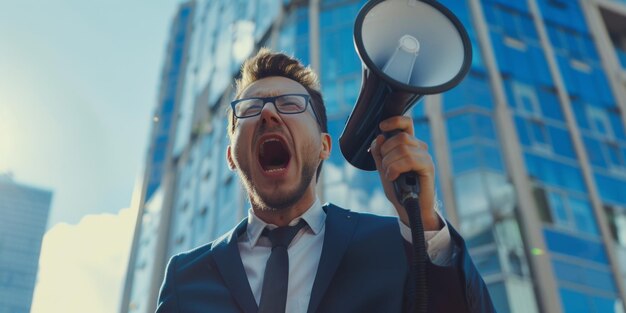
375,151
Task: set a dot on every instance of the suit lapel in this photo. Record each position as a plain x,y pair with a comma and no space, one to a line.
340,226
228,261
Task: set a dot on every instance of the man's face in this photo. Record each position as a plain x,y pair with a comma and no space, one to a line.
277,154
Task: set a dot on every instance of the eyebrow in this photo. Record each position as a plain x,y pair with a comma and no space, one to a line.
264,94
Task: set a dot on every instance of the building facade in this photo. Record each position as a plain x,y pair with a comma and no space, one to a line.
530,148
24,214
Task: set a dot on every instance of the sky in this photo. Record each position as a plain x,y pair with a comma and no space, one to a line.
78,84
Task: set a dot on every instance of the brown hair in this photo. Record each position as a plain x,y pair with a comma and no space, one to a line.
267,64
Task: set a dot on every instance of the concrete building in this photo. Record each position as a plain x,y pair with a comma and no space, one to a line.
23,218
530,148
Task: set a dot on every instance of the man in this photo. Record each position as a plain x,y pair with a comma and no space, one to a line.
337,260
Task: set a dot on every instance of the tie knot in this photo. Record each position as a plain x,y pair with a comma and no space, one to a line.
282,236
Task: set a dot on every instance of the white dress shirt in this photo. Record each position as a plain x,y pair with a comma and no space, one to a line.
305,251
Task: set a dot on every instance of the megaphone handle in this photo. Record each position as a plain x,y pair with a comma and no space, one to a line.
407,189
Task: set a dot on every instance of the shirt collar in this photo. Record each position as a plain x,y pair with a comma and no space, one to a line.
314,217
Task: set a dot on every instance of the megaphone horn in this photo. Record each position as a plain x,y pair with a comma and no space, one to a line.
408,48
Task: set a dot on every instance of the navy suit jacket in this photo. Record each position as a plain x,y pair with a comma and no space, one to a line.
363,268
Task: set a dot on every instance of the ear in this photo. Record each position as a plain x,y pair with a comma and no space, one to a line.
229,158
326,146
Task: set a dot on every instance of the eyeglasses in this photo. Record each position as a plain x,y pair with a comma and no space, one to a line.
284,104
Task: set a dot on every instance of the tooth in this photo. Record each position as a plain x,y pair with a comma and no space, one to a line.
275,170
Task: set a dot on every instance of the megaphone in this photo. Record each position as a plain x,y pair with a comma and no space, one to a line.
408,48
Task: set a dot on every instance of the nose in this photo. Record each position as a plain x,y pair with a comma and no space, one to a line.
269,114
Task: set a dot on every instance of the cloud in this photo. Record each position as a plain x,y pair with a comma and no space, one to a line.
82,267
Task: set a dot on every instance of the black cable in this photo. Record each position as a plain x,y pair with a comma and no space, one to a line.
407,189
418,291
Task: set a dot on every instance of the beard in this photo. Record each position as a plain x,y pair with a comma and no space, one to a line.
278,200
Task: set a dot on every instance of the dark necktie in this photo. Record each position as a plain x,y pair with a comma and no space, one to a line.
274,292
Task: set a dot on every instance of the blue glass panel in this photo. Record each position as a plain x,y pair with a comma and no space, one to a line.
611,189
528,29
604,90
594,151
499,295
583,216
487,263
574,302
302,20
577,247
482,238
331,97
539,65
335,127
567,74
608,305
570,177
550,105
617,126
580,113
474,90
453,99
521,70
459,127
555,173
586,82
615,155
562,142
484,126
585,276
501,53
491,158
555,37
559,213
522,131
590,50
477,57
517,5
539,133
464,158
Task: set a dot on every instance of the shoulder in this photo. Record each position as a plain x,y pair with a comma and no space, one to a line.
331,208
365,221
189,258
200,255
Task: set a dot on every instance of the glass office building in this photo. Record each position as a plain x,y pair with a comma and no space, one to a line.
530,149
23,218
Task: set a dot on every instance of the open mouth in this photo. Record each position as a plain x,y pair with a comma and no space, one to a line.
273,155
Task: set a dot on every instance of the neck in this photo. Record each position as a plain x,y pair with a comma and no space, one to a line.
284,216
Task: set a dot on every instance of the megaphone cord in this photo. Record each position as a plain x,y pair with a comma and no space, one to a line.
418,293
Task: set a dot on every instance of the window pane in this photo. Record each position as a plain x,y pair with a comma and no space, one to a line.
539,133
499,296
583,216
577,247
584,276
594,150
562,142
487,262
574,302
459,127
470,194
559,212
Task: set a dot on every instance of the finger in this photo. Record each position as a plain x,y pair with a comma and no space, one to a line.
421,164
402,139
401,152
402,123
375,150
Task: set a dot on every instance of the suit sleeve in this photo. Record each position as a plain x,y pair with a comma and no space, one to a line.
168,297
458,287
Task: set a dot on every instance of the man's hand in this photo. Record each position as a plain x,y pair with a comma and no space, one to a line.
404,153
